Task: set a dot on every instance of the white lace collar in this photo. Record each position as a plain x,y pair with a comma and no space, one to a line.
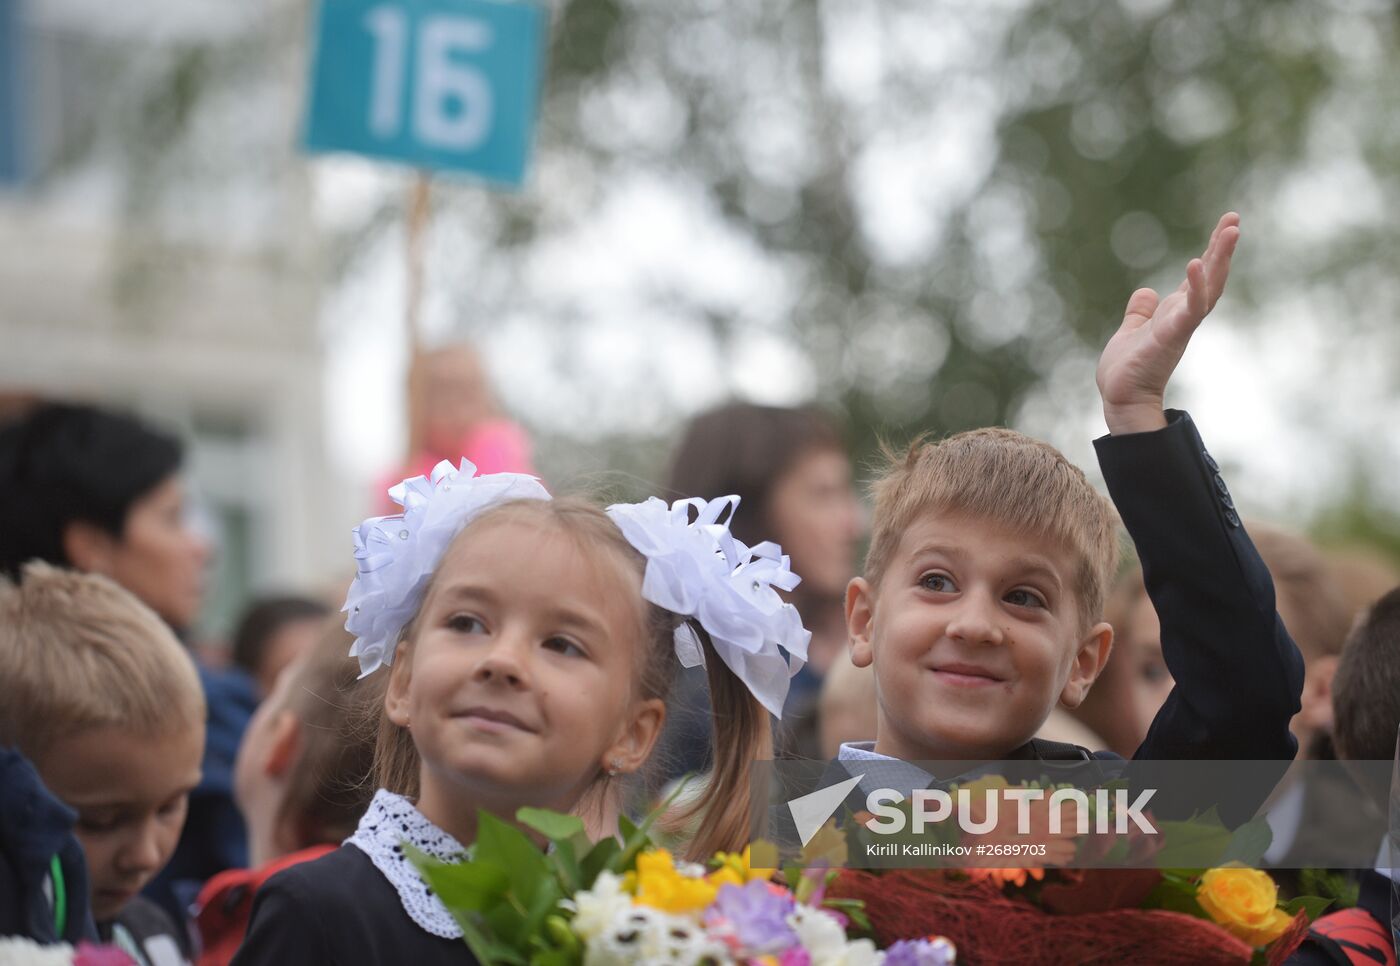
390,821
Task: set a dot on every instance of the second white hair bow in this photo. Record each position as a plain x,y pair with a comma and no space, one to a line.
698,570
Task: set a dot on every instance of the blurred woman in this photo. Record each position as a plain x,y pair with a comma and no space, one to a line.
789,468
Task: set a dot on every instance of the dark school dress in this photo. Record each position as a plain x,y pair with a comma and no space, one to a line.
340,910
362,903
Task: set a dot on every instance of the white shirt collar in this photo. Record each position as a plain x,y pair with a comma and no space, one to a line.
892,773
390,821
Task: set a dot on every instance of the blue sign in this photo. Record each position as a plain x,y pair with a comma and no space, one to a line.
444,84
13,118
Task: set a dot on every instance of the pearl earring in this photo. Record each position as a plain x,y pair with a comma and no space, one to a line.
614,767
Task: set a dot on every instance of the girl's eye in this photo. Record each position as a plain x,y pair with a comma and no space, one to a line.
564,646
938,583
1024,598
465,624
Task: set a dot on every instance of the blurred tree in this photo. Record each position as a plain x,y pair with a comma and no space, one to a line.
938,208
1115,134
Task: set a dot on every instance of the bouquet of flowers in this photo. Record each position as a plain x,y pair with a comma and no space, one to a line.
1223,915
621,902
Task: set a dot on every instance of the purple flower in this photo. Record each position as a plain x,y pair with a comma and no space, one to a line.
756,915
921,952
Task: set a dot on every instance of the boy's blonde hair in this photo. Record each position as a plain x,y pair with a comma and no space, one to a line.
79,652
1010,479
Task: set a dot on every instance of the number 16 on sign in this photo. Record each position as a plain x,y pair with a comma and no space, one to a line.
443,84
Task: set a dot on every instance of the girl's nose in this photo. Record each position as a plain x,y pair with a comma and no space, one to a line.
505,662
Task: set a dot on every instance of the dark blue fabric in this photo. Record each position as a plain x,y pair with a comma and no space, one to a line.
214,838
34,827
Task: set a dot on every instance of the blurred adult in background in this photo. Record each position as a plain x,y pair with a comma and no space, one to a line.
453,413
1313,607
1136,680
272,633
101,491
789,468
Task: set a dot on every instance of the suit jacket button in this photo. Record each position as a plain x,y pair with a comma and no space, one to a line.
1232,518
1210,461
1226,502
1220,485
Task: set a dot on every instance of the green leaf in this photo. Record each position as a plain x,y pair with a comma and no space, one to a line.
511,850
1196,843
1249,843
552,825
1173,897
486,948
469,885
634,840
566,867
600,857
1312,905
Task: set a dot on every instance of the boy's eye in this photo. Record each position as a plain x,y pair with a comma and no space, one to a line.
99,822
564,646
938,583
1155,672
465,624
172,807
1020,597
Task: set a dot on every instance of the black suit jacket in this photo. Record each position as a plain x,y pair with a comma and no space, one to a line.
1239,676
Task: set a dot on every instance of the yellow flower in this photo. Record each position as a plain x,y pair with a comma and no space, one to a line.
661,886
1244,901
736,868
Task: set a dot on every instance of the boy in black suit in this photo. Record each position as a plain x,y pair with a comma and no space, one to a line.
981,603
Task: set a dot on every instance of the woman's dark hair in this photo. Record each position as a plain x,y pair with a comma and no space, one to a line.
65,462
261,622
744,449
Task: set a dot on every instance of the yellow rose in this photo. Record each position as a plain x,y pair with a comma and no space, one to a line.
1244,901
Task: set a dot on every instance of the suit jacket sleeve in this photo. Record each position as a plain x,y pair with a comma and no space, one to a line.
1239,676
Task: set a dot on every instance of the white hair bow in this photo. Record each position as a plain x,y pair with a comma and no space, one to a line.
698,570
396,555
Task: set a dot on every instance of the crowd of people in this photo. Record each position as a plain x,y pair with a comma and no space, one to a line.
503,646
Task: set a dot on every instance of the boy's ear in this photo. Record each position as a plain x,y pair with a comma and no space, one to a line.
88,547
283,745
860,619
1089,661
1316,713
639,736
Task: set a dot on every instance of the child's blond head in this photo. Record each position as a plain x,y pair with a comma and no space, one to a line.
1006,478
81,653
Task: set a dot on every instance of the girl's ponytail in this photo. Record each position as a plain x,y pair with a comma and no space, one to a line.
726,815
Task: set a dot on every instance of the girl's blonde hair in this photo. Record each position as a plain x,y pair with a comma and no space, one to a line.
723,813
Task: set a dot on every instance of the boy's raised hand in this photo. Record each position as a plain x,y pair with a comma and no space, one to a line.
1140,358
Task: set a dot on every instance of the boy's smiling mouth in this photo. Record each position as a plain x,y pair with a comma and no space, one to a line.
962,674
